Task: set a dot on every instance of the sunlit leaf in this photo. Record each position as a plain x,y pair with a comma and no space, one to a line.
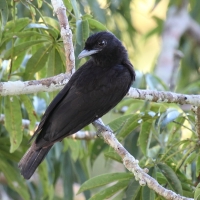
39,2
94,24
68,5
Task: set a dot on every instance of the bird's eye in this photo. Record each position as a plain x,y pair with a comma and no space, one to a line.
102,43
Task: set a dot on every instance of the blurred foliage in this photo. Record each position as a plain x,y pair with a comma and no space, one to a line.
161,136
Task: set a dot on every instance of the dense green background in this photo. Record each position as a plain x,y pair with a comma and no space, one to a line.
161,136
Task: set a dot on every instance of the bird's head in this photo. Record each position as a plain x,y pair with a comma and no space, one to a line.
104,48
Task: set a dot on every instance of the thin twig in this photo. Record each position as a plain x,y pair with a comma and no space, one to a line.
66,34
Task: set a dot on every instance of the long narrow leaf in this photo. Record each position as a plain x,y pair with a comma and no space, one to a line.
171,177
110,191
104,180
13,121
37,61
16,50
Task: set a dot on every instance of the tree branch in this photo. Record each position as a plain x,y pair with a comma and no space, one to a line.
59,81
196,110
132,164
164,97
33,86
66,34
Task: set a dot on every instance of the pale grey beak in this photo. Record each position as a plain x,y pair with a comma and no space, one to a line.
85,53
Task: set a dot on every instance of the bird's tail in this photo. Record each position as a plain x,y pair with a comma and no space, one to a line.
31,160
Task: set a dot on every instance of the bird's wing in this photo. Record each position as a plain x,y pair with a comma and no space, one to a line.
90,97
56,101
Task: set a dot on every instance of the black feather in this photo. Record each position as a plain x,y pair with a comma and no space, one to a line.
93,90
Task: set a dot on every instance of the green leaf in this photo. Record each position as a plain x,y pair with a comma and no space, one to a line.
113,155
82,31
132,190
53,25
14,178
39,2
129,125
67,174
52,31
16,26
74,145
4,11
26,34
135,121
85,30
119,122
86,16
198,166
55,65
82,172
104,180
154,82
145,136
30,110
79,32
190,158
75,9
110,191
148,193
94,24
197,192
68,5
13,121
37,61
48,189
171,177
4,151
97,147
16,50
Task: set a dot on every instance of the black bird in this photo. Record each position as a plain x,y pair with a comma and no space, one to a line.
92,91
